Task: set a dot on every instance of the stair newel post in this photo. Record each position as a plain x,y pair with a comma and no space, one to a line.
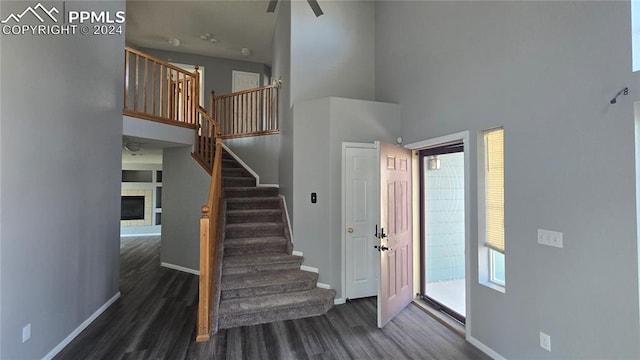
204,311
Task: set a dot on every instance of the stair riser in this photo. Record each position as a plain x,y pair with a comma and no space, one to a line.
252,205
240,182
236,172
231,320
230,163
241,218
237,270
262,249
258,232
250,192
268,290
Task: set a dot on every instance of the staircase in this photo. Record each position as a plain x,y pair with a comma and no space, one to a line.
261,279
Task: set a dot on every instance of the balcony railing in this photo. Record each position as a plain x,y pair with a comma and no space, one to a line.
156,90
250,112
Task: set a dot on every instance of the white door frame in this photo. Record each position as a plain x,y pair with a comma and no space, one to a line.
376,213
439,141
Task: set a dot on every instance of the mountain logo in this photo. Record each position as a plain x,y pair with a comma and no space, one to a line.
39,11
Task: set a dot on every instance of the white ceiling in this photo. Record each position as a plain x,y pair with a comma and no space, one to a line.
235,24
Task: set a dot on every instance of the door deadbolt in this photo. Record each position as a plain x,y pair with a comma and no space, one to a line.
350,230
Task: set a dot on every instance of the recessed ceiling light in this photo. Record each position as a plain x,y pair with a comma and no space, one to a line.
245,51
175,42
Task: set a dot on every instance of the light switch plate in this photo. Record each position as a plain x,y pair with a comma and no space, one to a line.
550,238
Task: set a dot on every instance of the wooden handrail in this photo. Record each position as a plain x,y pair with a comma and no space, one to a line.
159,91
208,153
249,112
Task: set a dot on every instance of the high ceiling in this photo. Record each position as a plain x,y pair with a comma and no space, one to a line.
234,24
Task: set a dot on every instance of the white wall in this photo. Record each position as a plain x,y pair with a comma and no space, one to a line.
321,127
60,163
546,71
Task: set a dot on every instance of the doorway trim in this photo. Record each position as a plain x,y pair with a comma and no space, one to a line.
345,145
440,141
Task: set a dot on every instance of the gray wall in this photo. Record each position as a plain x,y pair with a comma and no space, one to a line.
332,55
60,164
282,69
185,189
321,127
217,71
260,153
546,71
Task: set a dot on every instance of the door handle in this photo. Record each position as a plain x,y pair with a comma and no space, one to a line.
382,248
349,230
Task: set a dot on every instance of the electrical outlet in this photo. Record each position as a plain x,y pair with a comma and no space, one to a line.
550,238
545,341
26,332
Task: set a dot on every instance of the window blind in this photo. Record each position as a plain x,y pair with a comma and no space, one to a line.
494,189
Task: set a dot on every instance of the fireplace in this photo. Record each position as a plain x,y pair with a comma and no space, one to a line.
132,208
137,207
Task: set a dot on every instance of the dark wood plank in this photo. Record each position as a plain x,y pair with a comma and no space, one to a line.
155,319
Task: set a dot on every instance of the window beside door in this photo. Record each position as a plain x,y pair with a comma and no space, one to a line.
491,257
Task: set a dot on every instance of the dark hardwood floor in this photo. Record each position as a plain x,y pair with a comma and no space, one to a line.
155,319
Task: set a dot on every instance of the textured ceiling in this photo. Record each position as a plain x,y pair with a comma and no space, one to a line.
235,24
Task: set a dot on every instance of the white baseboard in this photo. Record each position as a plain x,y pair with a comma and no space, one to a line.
484,348
309,269
138,235
180,268
80,328
297,253
323,286
339,301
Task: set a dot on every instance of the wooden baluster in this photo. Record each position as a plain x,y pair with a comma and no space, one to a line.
269,108
145,85
135,93
169,93
153,87
161,96
275,103
261,109
254,110
126,79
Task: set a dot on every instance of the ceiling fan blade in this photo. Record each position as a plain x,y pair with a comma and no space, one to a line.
272,6
315,7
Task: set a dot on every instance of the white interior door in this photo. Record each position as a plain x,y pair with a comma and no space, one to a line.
243,80
361,213
396,233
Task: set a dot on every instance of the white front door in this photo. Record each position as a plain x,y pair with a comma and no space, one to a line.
361,214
